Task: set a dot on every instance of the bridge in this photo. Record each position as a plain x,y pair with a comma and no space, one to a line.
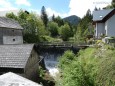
63,45
50,52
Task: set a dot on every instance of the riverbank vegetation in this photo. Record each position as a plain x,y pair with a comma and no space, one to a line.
90,67
37,28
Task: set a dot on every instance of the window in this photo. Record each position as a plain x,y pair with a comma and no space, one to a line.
12,30
13,39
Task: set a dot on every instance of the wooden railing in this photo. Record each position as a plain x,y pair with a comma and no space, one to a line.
63,44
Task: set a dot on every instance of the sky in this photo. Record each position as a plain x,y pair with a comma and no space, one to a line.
61,8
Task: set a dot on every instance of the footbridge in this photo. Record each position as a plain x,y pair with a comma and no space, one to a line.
63,45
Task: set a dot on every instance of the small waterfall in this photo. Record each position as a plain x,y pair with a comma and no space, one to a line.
51,56
51,61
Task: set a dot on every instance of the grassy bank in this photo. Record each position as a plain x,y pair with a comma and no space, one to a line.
90,67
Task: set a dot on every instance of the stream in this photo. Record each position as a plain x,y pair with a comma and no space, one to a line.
51,57
51,61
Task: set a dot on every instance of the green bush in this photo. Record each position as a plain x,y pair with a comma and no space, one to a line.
76,71
87,69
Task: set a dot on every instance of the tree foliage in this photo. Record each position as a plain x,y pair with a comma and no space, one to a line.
32,24
65,32
53,28
85,27
44,16
58,20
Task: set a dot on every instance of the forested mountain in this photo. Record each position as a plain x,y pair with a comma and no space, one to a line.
72,19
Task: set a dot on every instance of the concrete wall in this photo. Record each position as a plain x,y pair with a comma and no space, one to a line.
11,36
100,29
110,26
12,40
12,32
32,66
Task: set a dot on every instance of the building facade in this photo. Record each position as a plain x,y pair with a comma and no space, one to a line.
104,22
10,31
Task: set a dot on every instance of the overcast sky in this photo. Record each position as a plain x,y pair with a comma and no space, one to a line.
62,8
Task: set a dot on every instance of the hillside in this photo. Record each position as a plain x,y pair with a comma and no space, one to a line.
72,19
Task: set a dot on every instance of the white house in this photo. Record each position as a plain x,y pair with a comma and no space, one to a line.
104,22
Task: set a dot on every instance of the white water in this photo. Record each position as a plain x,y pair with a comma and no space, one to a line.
51,61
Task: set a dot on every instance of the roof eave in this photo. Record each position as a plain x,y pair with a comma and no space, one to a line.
109,15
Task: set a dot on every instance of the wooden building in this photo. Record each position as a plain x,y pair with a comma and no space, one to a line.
10,31
21,59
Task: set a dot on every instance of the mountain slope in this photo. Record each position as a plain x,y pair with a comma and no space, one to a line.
72,19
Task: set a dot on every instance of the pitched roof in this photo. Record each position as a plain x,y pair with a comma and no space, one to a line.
101,14
9,23
12,79
15,56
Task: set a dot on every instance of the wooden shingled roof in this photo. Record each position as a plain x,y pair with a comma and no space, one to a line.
9,23
15,56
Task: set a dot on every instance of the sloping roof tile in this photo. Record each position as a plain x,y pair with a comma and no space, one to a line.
100,14
15,56
9,23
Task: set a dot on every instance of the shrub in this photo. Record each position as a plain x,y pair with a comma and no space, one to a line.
87,69
78,71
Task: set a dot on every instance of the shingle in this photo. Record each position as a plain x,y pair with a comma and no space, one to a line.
100,14
9,23
12,79
15,56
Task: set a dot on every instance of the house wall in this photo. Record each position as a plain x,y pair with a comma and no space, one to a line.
11,36
12,40
32,66
110,26
100,29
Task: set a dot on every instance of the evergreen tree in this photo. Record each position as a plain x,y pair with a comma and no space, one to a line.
44,16
53,17
95,9
113,3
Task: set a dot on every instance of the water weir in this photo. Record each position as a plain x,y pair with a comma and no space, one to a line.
51,56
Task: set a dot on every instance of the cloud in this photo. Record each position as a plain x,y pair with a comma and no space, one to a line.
6,5
80,7
50,12
23,2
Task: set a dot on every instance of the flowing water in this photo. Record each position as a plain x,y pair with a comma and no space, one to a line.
51,61
51,56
